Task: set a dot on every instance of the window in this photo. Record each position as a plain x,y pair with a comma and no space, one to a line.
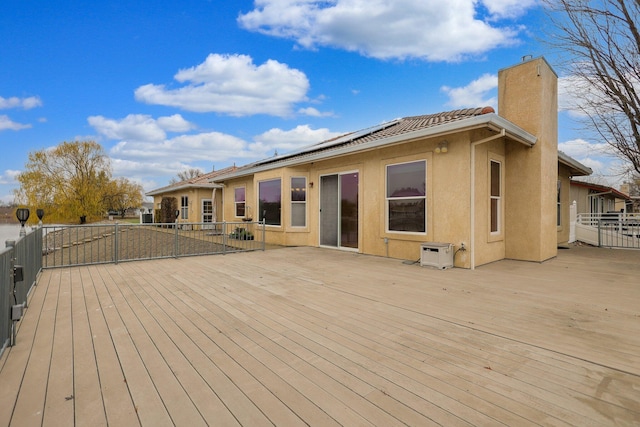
406,197
239,200
298,202
184,207
269,201
207,210
559,206
496,196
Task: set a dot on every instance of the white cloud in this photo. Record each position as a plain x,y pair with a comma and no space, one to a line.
581,149
508,8
144,160
569,88
212,146
234,85
174,123
284,141
313,112
607,168
478,93
24,103
579,97
137,170
139,127
9,176
7,124
435,30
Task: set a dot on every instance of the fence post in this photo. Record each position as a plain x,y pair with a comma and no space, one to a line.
224,237
599,233
264,235
175,243
116,243
13,299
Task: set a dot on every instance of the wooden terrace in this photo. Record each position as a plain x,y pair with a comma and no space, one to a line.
309,336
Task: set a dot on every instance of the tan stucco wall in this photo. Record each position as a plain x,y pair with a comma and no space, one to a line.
583,201
579,194
488,246
448,199
196,196
527,96
564,176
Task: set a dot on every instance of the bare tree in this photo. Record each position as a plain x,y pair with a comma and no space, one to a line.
602,41
186,175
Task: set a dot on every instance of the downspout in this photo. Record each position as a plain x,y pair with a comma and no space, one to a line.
472,168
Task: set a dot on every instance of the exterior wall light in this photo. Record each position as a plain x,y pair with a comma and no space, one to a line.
442,147
23,215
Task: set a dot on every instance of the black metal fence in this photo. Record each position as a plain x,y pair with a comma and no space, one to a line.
20,263
71,245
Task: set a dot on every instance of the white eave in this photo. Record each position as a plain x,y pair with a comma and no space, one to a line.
577,168
186,186
491,121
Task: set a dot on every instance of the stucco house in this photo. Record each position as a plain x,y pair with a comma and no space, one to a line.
198,199
493,185
596,199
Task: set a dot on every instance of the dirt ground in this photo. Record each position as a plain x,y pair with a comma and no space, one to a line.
7,215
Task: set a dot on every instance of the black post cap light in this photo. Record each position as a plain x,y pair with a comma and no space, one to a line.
40,213
23,215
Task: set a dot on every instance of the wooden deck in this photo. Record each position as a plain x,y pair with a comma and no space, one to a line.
307,336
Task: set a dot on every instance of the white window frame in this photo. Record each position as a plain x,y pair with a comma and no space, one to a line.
184,207
388,199
206,214
498,198
236,203
260,218
299,202
559,205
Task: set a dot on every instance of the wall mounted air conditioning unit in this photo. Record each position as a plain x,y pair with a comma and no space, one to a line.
438,255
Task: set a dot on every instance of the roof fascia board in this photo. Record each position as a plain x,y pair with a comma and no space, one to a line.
182,187
492,121
574,164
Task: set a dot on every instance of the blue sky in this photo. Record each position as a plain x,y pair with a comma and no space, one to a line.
168,85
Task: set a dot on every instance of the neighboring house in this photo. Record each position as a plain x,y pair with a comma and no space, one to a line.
595,199
567,169
198,199
489,184
632,191
147,207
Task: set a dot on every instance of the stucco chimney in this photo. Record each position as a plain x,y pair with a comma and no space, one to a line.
528,97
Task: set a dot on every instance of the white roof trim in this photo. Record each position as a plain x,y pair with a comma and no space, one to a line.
492,121
170,189
574,164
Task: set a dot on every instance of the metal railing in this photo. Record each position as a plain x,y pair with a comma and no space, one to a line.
592,219
71,245
614,229
20,263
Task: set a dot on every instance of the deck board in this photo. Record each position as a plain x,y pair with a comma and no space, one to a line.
60,385
307,336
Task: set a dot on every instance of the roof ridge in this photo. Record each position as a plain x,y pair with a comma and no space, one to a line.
467,112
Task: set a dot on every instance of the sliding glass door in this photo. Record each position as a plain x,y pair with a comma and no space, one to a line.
339,210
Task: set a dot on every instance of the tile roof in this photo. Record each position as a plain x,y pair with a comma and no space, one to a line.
384,130
203,181
600,189
413,123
